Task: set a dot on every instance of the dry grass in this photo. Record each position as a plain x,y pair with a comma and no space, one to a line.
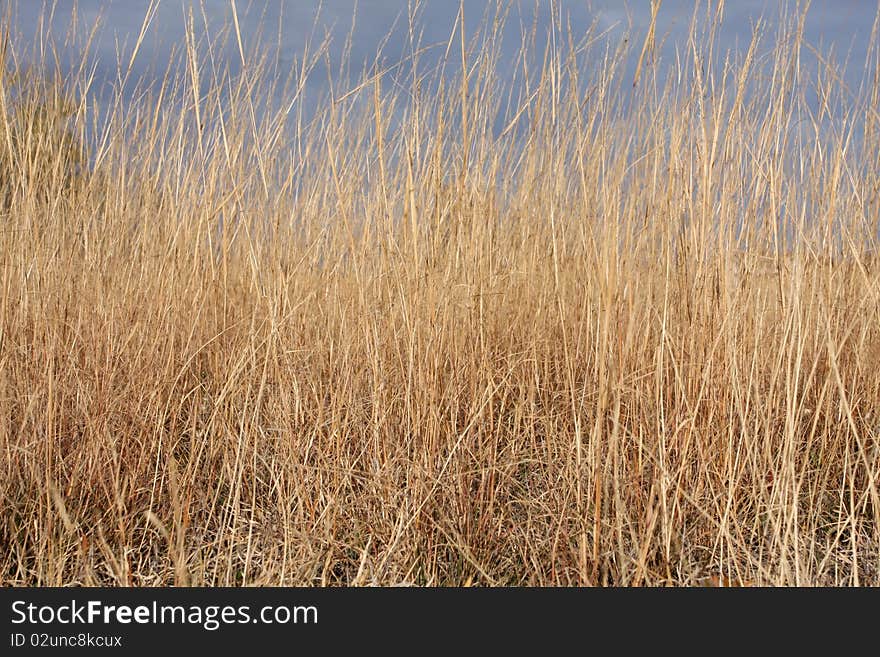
566,330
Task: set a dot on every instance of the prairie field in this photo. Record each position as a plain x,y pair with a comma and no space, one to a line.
588,317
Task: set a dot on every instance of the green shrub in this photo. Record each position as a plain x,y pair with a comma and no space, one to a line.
39,152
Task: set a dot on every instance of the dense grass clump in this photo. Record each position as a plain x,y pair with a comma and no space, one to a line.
593,319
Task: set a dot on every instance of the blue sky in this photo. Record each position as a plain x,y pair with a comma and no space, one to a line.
283,27
843,24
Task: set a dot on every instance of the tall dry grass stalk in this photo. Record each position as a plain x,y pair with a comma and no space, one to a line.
545,326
